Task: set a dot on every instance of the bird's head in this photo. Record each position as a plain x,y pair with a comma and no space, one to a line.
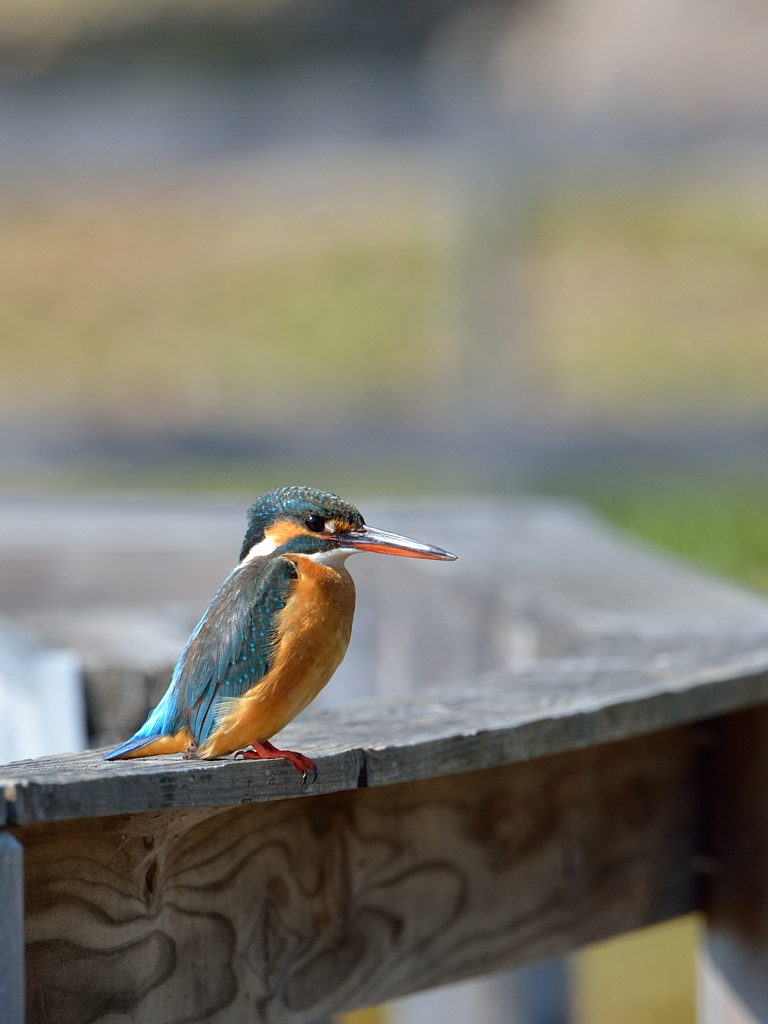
322,526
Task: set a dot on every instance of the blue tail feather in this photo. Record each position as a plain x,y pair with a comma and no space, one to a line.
135,743
163,721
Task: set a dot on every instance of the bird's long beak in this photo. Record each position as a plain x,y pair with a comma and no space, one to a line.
383,543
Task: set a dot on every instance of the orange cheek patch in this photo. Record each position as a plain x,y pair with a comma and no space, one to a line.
284,530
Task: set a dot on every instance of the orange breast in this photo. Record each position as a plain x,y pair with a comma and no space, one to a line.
313,634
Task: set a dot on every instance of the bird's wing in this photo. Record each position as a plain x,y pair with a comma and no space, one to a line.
230,650
233,647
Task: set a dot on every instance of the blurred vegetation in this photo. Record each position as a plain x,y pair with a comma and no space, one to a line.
651,304
40,28
205,310
234,478
224,306
719,522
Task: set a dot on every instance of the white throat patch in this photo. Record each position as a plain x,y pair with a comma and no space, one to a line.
264,547
335,558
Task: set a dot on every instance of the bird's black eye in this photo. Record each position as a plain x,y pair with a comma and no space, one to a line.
315,523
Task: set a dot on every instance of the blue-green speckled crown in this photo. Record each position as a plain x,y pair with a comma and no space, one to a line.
295,503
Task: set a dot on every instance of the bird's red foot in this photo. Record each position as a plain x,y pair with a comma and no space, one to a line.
266,751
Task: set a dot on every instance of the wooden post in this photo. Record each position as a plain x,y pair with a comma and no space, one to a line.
734,963
11,930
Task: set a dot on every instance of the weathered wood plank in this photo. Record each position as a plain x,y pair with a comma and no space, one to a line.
11,930
501,721
298,910
92,790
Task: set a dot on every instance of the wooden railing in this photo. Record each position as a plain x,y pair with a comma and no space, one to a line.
614,773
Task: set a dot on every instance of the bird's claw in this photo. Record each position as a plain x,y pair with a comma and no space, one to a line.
266,751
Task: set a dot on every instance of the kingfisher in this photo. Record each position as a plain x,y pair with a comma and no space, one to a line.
273,635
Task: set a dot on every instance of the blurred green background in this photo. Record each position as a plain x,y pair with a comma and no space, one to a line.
211,334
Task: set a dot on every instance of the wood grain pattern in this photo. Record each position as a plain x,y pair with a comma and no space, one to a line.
297,910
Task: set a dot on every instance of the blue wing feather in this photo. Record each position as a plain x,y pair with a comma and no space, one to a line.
239,630
230,651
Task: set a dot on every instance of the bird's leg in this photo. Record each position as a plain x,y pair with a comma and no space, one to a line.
190,754
266,751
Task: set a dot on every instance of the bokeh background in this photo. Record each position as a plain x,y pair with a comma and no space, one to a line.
398,247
